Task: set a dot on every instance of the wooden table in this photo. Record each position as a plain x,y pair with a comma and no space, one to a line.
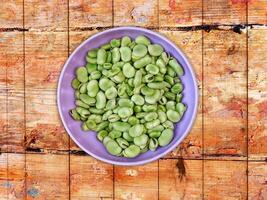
224,156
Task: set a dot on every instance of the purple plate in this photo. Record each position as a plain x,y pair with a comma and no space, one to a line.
87,140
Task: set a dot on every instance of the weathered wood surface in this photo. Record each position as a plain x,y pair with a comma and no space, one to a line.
225,41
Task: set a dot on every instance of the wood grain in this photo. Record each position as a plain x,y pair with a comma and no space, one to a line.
45,54
257,179
257,12
3,177
90,179
257,93
175,13
140,182
225,95
11,15
46,15
136,13
190,43
12,98
225,180
180,179
90,13
47,176
224,12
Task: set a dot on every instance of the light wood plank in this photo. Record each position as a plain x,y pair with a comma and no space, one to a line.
224,12
257,179
11,15
225,180
90,179
46,53
140,182
47,176
257,12
190,43
257,86
225,95
175,13
46,15
90,13
136,13
180,179
3,177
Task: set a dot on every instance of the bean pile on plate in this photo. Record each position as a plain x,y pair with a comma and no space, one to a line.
129,92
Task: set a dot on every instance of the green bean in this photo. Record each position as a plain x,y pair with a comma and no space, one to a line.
74,114
95,75
106,140
158,85
101,135
77,94
137,109
163,100
91,124
87,99
124,112
136,130
162,108
107,65
152,124
126,54
158,78
122,143
106,115
142,40
152,69
142,62
111,104
138,78
157,128
116,56
170,72
154,134
155,50
153,144
82,74
127,137
133,120
91,60
113,118
148,78
115,43
109,57
125,103
101,56
169,96
176,67
149,108
111,93
84,127
118,78
177,88
81,104
151,116
153,98
96,111
115,134
92,88
179,97
91,67
106,46
169,79
165,137
121,126
138,100
162,116
146,91
113,147
83,112
83,88
92,53
165,57
131,152
102,126
170,105
139,51
128,70
141,140
181,108
105,83
168,124
75,83
125,41
100,100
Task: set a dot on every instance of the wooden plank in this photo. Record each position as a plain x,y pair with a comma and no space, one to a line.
136,13
47,176
90,13
12,89
90,179
180,179
190,43
257,179
225,95
140,182
11,15
224,12
225,180
3,177
257,12
46,15
257,93
45,54
16,176
175,13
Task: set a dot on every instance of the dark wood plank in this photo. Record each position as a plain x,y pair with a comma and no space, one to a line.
257,93
90,179
180,179
138,182
136,13
225,180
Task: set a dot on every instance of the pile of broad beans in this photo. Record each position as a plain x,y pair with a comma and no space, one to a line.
129,92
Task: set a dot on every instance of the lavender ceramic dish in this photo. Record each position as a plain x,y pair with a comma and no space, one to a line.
87,140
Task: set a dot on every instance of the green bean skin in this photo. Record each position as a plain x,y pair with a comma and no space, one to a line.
131,94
